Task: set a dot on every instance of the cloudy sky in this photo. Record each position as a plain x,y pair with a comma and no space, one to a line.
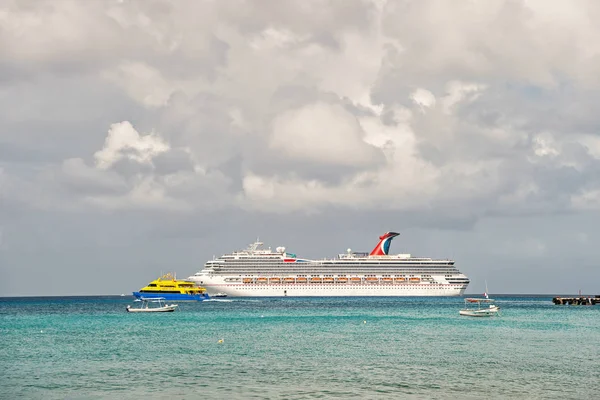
146,136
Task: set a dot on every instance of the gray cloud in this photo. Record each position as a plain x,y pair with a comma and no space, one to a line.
174,130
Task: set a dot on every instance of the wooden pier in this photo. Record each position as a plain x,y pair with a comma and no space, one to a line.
577,301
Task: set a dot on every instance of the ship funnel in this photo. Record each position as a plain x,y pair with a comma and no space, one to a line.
383,247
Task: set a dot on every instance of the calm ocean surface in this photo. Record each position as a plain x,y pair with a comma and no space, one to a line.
297,348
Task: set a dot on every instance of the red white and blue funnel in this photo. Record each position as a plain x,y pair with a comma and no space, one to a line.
383,247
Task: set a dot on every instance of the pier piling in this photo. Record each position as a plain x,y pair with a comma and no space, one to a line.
577,301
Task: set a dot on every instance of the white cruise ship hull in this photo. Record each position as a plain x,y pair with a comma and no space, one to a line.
217,285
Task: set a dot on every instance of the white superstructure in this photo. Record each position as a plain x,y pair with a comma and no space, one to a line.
262,272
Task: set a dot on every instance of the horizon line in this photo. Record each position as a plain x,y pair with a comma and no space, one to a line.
464,295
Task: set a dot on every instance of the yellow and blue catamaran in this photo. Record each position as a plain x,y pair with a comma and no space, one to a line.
169,288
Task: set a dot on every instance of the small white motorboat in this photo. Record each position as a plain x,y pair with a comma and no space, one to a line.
220,294
153,304
476,307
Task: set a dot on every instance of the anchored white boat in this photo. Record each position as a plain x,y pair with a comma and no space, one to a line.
154,304
476,307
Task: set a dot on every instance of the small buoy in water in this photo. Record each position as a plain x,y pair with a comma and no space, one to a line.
364,322
220,340
41,331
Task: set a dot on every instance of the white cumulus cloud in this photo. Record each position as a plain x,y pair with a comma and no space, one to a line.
123,141
322,133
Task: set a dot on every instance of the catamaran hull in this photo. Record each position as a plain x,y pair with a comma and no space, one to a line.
480,313
162,309
328,290
172,296
476,314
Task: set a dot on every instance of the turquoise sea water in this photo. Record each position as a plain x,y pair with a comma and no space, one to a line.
296,348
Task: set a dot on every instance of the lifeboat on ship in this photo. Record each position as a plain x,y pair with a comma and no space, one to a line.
328,280
262,280
316,279
356,279
275,280
342,280
301,279
371,279
387,280
399,279
289,280
414,280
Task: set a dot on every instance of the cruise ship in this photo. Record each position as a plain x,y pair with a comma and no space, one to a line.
257,271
